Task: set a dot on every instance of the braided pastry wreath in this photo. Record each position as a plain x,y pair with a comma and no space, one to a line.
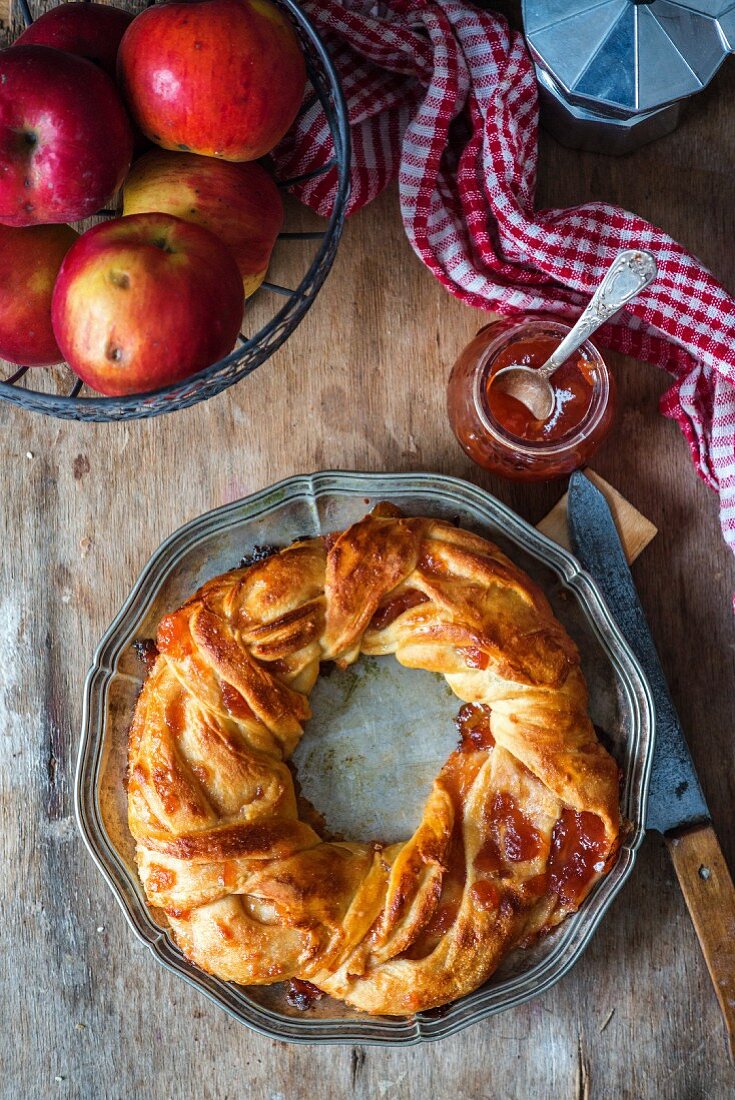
521,821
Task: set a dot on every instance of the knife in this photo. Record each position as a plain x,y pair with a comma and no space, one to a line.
676,806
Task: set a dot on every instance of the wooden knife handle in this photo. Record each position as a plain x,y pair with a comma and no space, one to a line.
710,896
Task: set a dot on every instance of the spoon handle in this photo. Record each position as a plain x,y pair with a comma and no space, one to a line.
629,273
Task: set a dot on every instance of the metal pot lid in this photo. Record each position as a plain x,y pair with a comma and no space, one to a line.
627,57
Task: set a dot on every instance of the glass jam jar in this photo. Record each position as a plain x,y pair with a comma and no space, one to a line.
501,434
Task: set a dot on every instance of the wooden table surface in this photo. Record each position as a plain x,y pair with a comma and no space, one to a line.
86,1012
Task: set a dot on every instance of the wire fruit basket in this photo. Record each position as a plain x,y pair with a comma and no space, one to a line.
289,304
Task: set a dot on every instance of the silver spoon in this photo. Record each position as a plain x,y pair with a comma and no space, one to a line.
629,273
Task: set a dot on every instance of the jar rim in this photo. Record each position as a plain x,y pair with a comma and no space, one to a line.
510,331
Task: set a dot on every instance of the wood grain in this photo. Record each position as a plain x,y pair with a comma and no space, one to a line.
708,889
360,385
634,529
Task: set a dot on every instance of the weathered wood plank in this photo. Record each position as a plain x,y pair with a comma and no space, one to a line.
360,385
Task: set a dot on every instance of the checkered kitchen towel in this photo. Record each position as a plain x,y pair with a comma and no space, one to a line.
443,95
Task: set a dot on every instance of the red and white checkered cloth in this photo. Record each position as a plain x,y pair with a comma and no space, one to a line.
443,95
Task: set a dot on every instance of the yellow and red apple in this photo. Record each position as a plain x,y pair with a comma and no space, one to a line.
30,259
145,301
238,202
88,30
65,139
224,78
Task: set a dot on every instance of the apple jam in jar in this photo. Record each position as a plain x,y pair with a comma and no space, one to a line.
501,434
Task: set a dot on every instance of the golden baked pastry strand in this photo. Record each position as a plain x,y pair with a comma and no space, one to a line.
521,821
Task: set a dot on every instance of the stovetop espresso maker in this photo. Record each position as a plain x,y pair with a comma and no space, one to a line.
614,74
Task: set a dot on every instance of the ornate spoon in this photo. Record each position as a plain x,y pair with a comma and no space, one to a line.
629,273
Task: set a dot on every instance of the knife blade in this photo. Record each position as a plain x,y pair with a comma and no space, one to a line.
676,805
675,797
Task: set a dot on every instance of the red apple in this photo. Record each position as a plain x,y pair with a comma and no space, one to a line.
238,202
144,301
30,259
65,139
88,30
220,77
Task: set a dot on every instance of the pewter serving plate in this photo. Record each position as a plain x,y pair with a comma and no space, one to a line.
378,735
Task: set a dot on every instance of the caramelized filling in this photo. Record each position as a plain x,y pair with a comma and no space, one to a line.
173,636
160,879
302,995
537,885
485,894
473,726
577,856
578,850
257,554
518,840
390,611
279,667
444,917
175,715
228,877
488,860
513,839
234,701
430,563
457,776
146,651
224,930
475,658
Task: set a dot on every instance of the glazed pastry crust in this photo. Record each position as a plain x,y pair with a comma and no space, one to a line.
521,821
